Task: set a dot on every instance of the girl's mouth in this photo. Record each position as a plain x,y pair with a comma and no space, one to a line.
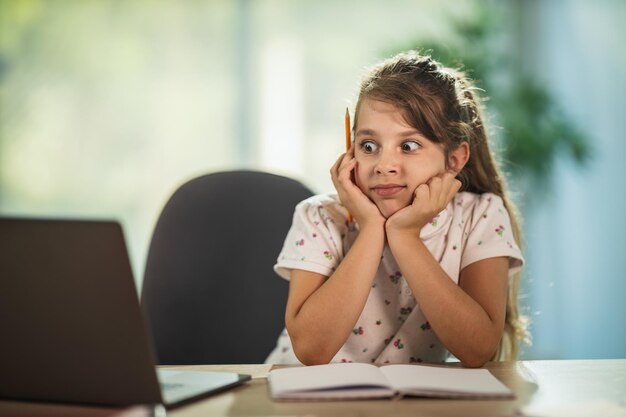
386,190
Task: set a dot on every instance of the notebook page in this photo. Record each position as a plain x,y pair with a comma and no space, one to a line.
319,377
432,380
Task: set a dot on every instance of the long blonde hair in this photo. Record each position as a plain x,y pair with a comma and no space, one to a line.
443,105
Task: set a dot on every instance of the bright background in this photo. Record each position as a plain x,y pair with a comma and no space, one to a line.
107,106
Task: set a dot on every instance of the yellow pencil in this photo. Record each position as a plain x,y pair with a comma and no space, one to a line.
348,143
348,135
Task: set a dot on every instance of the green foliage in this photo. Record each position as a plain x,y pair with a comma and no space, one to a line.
532,128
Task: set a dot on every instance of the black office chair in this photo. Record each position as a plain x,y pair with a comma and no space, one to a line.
209,292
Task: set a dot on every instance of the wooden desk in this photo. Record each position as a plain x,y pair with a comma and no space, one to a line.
538,386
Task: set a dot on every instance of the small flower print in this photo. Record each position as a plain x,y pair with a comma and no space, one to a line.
404,312
480,242
425,326
365,350
395,277
484,216
358,331
398,344
314,235
344,360
328,255
285,349
432,345
387,302
387,340
500,230
454,247
374,285
433,222
378,322
300,242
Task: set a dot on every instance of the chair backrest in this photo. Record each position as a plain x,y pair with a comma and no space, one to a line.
210,294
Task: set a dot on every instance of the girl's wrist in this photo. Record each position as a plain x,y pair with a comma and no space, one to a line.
372,226
392,227
403,235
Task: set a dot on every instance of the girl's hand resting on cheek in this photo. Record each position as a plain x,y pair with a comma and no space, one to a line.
363,210
429,199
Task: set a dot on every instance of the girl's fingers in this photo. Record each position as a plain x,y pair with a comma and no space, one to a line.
453,186
438,191
456,186
422,193
341,173
335,168
435,185
345,169
445,187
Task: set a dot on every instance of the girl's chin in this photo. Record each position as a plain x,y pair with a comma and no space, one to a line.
388,210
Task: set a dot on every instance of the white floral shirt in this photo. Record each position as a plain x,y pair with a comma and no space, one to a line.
392,328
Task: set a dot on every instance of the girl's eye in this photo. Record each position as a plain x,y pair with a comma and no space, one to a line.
410,146
368,146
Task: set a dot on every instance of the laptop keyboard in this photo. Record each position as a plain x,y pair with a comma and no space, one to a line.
171,386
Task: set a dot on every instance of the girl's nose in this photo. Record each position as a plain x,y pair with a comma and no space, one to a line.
387,164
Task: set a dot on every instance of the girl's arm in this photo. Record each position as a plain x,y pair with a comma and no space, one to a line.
468,318
321,312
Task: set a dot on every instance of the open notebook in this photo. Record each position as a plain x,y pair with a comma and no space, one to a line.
359,381
71,325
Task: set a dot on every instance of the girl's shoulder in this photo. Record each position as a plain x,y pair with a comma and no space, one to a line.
473,202
481,211
477,209
320,200
324,207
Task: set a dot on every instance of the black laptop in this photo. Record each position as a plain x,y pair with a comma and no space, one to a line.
71,328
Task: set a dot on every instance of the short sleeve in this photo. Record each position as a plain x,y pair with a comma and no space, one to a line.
491,235
314,242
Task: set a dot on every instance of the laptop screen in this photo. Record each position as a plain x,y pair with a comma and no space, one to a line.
70,320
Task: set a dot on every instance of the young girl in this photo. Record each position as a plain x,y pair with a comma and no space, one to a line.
426,265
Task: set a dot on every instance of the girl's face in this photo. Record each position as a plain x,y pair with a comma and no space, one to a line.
393,158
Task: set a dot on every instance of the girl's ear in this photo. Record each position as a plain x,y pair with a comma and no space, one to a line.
459,157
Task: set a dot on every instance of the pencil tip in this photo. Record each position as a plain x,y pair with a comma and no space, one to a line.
347,112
